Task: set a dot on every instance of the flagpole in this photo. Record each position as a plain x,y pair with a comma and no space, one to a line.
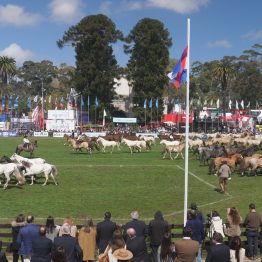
187,125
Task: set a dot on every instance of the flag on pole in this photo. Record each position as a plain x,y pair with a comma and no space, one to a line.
150,103
82,101
242,104
211,102
145,104
10,102
35,115
50,99
35,99
230,104
88,101
56,103
104,114
16,102
218,103
96,102
257,105
157,102
29,102
205,102
237,105
248,105
179,72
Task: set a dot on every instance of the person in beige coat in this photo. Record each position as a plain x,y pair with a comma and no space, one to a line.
87,240
224,173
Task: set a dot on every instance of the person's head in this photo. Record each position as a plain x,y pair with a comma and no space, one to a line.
217,237
107,215
233,213
68,220
42,230
117,240
187,232
20,218
192,214
30,219
193,206
224,162
134,214
158,215
235,243
65,229
131,232
215,213
88,223
50,222
59,254
252,206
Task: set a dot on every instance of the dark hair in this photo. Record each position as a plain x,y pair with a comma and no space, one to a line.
20,218
215,213
42,230
107,214
187,231
117,240
59,255
252,206
217,237
88,224
30,219
236,244
50,224
166,246
158,216
192,214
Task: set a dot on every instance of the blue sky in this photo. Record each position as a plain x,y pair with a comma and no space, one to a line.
29,29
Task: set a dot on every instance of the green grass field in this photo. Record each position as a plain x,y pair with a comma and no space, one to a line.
120,182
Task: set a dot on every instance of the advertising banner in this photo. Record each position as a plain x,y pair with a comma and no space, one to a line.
61,114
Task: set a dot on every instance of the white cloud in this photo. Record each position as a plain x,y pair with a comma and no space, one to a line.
220,43
66,11
135,5
179,6
17,52
254,35
16,15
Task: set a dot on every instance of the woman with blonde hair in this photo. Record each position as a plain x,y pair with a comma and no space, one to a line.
232,227
87,240
73,228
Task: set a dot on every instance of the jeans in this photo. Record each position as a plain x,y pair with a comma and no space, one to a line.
252,242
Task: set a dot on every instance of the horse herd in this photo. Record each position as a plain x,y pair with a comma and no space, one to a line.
22,167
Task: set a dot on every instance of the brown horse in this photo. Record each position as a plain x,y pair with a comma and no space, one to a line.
30,148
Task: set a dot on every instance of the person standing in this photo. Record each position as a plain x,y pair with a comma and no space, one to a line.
166,250
52,230
87,240
156,231
252,223
186,249
218,251
224,173
104,232
16,226
41,247
237,253
25,237
199,214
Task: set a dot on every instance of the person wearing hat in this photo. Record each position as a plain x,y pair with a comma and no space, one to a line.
73,251
139,225
199,215
26,141
224,173
123,254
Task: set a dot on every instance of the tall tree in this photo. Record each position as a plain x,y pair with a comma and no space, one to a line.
7,68
96,65
147,44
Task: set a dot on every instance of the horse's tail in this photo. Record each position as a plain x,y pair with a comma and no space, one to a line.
54,171
19,177
211,166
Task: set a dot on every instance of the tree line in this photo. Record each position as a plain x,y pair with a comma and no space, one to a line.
147,44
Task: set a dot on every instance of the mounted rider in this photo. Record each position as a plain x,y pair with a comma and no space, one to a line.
26,142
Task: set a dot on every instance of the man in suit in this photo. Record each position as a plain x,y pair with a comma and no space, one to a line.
139,225
137,245
104,232
41,247
72,249
218,251
186,249
25,237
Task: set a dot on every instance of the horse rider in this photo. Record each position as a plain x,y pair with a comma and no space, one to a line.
224,174
26,142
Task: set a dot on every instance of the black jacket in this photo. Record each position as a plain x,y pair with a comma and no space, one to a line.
139,226
15,230
218,253
104,233
137,246
73,251
41,249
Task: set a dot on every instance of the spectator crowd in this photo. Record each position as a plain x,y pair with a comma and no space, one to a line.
137,242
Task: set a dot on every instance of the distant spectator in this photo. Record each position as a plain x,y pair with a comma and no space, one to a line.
16,226
138,225
72,249
105,231
233,221
186,249
59,254
73,228
41,247
252,223
199,214
166,250
224,173
156,231
216,224
52,229
218,251
87,240
137,245
25,237
237,253
198,231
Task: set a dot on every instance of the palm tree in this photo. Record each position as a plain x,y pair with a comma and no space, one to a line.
7,68
223,71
